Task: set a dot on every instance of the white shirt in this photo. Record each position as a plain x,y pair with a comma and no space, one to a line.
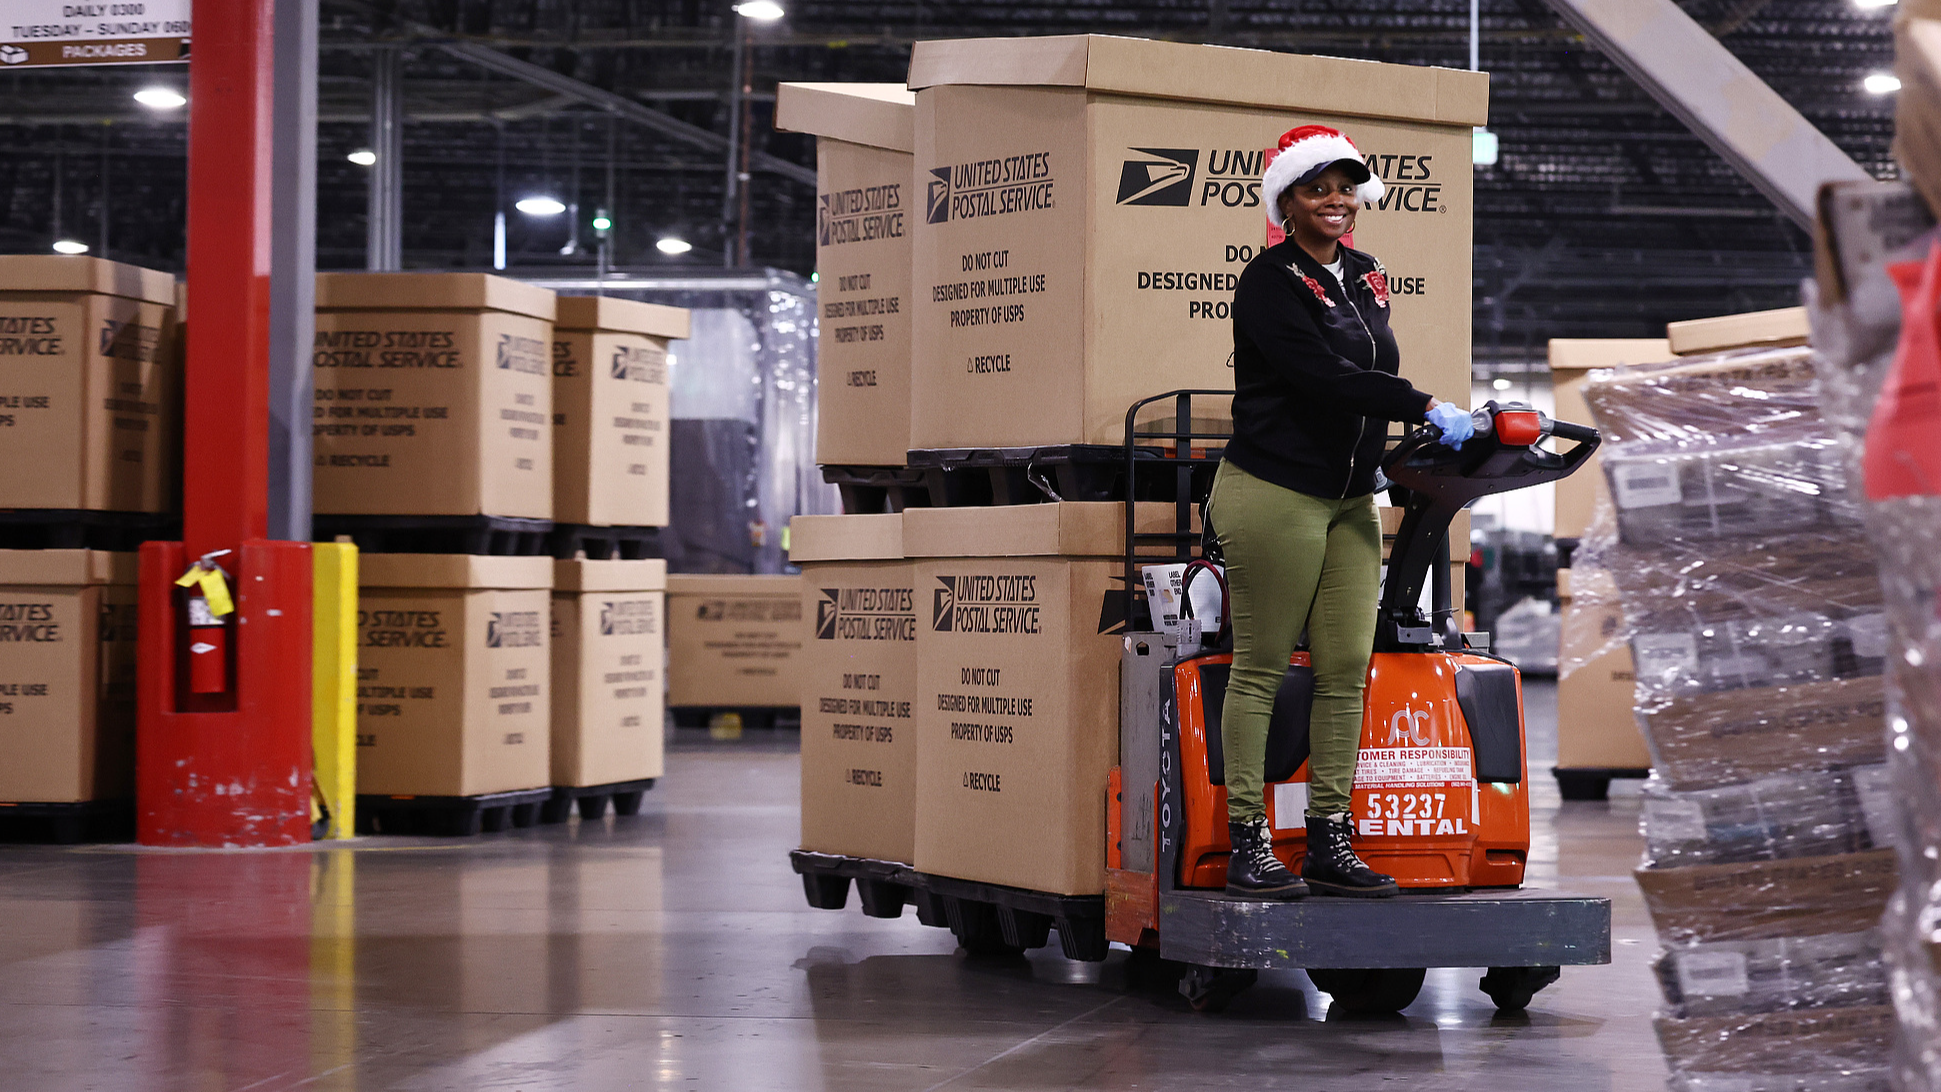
1336,271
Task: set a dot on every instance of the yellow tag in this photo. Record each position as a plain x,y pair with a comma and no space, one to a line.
214,588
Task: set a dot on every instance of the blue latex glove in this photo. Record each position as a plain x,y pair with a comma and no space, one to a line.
1453,422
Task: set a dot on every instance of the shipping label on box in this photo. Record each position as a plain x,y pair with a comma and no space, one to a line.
453,691
67,693
1077,253
864,213
859,742
734,641
610,411
88,400
433,413
1017,721
607,701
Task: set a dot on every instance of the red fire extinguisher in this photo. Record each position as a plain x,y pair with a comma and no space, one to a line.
209,608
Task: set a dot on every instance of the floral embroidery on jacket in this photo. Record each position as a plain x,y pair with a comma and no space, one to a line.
1314,286
1377,282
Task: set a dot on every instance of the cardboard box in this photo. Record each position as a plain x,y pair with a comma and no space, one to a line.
734,641
453,674
610,410
1800,897
1797,1044
89,378
609,709
865,197
1090,201
1571,362
1017,696
1785,326
434,395
1702,740
1596,728
859,670
67,676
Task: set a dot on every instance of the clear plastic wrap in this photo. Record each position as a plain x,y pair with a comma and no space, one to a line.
1749,598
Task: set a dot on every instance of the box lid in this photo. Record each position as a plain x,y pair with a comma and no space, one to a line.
1056,529
880,115
1584,353
582,575
874,537
432,292
733,584
68,568
1204,73
624,316
453,571
1785,326
80,273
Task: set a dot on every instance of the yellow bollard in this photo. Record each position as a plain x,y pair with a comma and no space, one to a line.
334,684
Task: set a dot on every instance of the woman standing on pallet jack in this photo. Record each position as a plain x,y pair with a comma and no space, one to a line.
1315,379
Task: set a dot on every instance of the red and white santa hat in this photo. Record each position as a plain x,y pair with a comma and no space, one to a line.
1306,151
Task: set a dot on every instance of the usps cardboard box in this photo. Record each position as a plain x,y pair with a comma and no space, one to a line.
734,641
1795,897
454,674
865,212
67,676
859,696
609,695
434,395
610,410
89,377
1596,727
1702,740
1017,691
1090,202
1773,329
1785,1049
1571,362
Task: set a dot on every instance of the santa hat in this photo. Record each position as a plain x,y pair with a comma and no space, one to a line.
1306,151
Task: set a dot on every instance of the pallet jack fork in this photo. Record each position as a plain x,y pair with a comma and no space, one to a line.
1371,956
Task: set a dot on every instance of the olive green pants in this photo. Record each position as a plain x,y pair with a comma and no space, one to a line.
1295,562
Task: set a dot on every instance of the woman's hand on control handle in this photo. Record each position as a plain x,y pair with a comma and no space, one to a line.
1454,423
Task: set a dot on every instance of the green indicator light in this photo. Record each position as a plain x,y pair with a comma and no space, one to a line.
602,223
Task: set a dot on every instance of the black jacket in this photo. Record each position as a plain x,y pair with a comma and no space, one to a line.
1315,373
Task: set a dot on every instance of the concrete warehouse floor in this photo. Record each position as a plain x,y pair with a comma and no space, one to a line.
674,950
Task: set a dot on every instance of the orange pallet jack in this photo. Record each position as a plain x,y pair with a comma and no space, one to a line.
1441,790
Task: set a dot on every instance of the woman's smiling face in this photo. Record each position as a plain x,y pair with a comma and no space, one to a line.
1322,209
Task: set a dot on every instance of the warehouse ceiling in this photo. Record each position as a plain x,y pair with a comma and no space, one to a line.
1603,216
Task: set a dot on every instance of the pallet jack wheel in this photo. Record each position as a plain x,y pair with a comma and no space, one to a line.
1513,987
1378,991
1210,989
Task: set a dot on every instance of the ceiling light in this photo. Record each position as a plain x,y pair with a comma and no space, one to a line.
540,206
1483,150
1867,4
363,157
1880,83
762,11
1501,384
159,98
673,245
70,246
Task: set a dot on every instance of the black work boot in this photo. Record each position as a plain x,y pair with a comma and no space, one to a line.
1332,867
1253,872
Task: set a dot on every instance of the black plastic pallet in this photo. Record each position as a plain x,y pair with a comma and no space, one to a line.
752,716
457,816
592,800
84,529
1592,782
877,489
498,536
971,476
987,919
66,824
604,543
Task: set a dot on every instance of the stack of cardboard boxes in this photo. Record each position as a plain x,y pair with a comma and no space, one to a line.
1753,613
89,406
1046,231
448,401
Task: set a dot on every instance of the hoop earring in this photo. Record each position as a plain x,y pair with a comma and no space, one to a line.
1287,226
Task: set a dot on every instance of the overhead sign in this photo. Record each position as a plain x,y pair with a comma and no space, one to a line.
54,32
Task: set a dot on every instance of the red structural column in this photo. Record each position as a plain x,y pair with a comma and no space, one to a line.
230,767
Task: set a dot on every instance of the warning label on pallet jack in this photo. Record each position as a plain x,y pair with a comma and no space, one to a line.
1403,767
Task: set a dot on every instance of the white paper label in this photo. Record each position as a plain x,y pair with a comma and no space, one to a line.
1674,820
1665,653
1290,805
1868,632
1645,485
1162,594
1392,767
1875,787
1712,974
